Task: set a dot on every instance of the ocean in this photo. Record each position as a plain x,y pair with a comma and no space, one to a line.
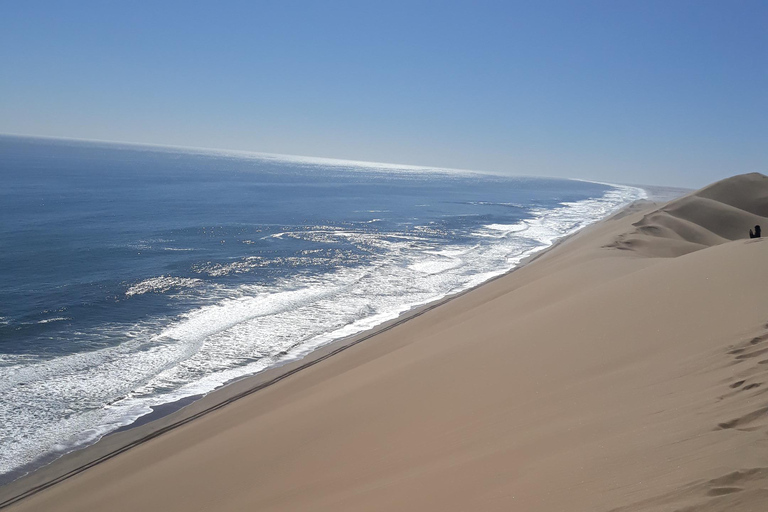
135,276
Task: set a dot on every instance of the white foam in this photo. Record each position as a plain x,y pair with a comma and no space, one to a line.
435,266
55,319
161,284
507,228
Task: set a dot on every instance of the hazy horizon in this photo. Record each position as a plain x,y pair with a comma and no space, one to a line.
654,189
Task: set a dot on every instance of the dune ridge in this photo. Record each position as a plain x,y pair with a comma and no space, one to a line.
714,215
624,370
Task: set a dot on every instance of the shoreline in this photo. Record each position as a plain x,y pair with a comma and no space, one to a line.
169,416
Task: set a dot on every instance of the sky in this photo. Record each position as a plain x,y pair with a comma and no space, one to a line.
671,92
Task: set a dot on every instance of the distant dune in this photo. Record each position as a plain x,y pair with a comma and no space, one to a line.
711,216
624,370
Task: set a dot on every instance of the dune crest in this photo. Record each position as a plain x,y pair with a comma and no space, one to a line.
714,215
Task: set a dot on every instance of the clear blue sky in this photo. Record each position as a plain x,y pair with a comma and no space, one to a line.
670,92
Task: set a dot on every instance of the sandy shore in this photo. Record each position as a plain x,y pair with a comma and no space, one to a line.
624,369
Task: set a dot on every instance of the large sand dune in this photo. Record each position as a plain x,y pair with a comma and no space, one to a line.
711,216
626,369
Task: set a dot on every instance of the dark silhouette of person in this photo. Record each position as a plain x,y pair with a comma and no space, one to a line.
756,234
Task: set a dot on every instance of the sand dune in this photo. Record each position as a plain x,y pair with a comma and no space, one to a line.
624,370
711,216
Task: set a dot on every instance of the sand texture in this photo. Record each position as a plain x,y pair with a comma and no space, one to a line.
624,370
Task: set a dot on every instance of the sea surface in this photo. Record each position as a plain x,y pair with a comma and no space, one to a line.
136,276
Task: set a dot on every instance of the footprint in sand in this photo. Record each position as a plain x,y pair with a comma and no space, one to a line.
752,354
721,491
744,420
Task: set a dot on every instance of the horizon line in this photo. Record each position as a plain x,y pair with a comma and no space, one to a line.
246,152
309,159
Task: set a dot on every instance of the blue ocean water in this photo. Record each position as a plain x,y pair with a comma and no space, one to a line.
133,276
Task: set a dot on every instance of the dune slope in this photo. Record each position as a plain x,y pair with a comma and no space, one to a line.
711,216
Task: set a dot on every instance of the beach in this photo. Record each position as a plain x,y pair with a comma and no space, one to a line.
623,369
